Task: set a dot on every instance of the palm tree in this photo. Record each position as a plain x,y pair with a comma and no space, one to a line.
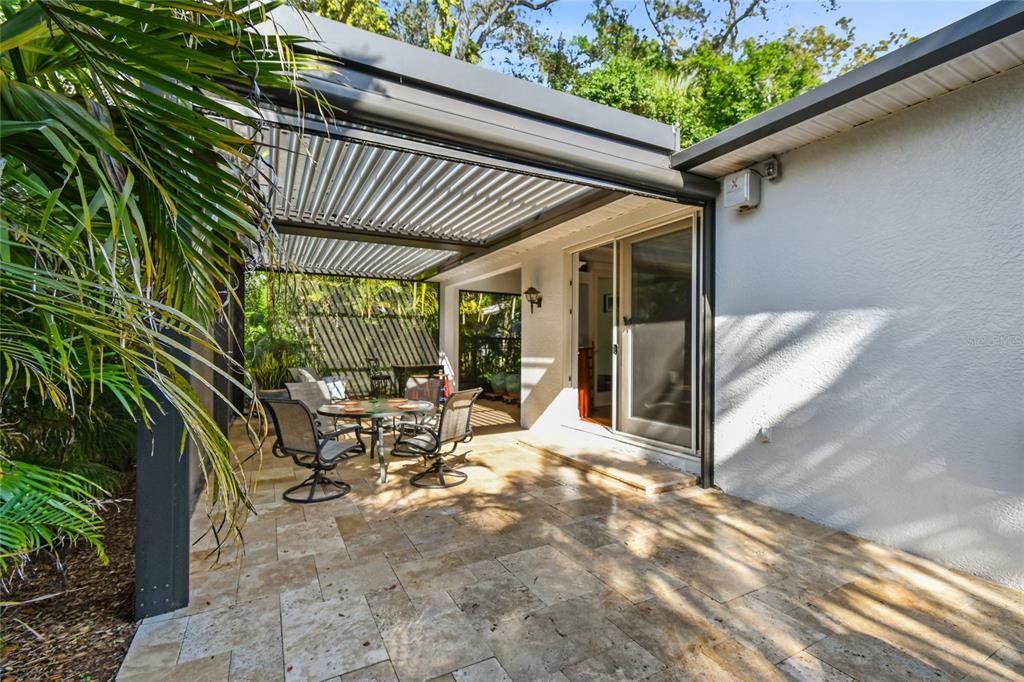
126,202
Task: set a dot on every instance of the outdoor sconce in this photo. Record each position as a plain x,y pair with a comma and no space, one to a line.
534,298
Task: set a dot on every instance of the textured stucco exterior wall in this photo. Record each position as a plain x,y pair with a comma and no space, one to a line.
871,313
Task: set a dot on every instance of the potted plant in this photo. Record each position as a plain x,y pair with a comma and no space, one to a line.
512,386
497,380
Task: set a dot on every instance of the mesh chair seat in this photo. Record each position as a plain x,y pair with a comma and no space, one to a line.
453,427
419,444
298,438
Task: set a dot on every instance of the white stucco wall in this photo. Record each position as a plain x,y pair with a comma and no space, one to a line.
871,313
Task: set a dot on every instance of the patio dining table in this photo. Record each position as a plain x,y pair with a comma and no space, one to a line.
376,411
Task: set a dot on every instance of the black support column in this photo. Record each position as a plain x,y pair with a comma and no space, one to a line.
237,342
162,511
707,403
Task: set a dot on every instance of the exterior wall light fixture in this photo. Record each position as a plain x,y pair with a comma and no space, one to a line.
533,297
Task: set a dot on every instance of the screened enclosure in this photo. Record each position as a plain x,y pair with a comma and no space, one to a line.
489,339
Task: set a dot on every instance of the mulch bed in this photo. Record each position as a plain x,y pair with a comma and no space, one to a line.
84,633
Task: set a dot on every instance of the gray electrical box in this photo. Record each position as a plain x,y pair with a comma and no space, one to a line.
742,189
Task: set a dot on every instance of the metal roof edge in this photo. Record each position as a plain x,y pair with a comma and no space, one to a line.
986,26
408,63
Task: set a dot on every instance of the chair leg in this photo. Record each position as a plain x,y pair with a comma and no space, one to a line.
314,481
443,474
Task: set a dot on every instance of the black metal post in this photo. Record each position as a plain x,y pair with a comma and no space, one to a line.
707,458
162,510
238,338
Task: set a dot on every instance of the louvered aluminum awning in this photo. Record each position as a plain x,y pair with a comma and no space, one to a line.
344,206
421,161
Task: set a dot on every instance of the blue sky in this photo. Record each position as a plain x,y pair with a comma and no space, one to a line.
873,19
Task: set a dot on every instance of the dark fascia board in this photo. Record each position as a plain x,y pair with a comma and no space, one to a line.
975,31
408,63
353,234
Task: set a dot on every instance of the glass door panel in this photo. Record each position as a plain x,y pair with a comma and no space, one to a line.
657,335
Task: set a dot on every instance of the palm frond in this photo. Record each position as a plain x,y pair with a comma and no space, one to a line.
42,508
126,203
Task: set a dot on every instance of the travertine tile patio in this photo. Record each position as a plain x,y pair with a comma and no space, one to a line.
534,570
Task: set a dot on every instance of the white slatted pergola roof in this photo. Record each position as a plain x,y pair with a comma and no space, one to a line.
346,207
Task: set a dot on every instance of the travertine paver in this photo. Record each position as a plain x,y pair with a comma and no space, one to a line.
550,575
484,671
325,638
537,571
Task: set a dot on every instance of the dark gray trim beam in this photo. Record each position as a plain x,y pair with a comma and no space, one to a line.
975,31
352,234
539,223
707,363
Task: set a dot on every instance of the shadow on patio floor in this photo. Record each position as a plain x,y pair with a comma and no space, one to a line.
532,570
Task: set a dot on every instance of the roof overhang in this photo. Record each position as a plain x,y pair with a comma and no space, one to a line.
983,44
420,162
410,92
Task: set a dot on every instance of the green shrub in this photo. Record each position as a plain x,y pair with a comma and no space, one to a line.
95,440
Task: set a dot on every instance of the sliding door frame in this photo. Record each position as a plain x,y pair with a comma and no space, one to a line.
703,330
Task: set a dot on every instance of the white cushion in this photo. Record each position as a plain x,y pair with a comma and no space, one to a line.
335,387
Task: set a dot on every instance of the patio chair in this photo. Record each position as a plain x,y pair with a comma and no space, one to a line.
299,438
427,389
453,427
313,394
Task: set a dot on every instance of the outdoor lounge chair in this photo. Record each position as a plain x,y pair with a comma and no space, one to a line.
453,427
304,374
313,394
299,438
335,384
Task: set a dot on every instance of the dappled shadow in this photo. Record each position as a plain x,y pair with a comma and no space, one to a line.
550,568
861,441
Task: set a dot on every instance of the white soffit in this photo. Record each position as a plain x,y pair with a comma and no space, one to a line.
990,60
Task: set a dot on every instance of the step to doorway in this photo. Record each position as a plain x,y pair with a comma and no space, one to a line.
624,463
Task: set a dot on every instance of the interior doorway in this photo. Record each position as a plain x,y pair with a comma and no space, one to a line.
634,318
596,323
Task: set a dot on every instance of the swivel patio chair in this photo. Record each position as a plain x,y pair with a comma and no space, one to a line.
425,389
299,438
314,394
453,427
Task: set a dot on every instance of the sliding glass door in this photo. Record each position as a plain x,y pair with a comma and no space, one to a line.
656,334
